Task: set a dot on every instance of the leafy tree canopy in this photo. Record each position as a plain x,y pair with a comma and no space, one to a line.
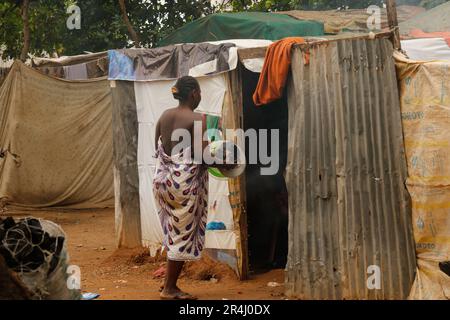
103,27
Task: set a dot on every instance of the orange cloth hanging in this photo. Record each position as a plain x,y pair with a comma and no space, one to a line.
275,71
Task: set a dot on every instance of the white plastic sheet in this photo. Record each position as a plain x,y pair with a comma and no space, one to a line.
152,99
219,210
426,49
253,64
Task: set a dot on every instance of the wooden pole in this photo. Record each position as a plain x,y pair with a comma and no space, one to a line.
126,173
393,24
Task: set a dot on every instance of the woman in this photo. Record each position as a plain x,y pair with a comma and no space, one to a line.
180,186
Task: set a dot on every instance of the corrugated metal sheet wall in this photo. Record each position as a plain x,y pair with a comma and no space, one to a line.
348,205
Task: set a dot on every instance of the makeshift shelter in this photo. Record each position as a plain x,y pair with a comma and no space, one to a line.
141,82
243,25
352,20
55,141
349,212
425,106
433,20
427,35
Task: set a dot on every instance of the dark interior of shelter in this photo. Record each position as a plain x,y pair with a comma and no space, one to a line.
267,198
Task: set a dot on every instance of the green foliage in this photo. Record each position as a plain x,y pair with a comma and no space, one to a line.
283,5
153,20
47,26
10,27
102,26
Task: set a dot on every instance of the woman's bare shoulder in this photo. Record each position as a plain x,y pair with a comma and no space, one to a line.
169,111
197,116
167,114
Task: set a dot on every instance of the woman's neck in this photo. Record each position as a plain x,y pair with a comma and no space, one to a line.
185,106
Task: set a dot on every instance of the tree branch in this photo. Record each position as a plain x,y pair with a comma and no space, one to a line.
26,29
134,36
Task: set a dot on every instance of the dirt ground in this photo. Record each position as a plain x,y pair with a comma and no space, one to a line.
129,273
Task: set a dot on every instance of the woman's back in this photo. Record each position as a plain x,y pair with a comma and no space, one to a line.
173,119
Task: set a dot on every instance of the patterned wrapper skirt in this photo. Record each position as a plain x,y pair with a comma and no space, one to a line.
181,194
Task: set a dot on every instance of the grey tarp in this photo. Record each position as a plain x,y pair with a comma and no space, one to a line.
94,69
171,62
55,141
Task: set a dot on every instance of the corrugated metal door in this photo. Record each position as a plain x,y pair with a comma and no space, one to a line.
349,210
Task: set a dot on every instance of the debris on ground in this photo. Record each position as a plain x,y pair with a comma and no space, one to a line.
25,246
134,257
274,284
213,280
206,268
89,296
160,273
121,281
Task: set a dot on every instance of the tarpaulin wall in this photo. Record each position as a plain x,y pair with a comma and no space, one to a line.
56,141
425,106
349,210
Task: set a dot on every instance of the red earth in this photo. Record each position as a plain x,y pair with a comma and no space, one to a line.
129,273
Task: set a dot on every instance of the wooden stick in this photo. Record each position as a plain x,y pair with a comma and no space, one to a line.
393,23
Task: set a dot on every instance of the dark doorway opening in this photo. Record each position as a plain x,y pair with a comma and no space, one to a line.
267,199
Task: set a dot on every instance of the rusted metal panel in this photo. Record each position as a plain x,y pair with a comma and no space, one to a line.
348,205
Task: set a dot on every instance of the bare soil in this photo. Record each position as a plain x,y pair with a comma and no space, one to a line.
129,273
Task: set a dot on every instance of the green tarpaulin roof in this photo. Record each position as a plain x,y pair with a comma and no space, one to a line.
243,25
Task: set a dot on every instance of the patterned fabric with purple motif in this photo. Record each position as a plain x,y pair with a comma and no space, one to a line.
181,194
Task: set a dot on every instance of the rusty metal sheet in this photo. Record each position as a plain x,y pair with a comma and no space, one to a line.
349,209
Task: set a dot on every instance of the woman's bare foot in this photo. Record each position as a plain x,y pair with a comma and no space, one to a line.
161,288
176,294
